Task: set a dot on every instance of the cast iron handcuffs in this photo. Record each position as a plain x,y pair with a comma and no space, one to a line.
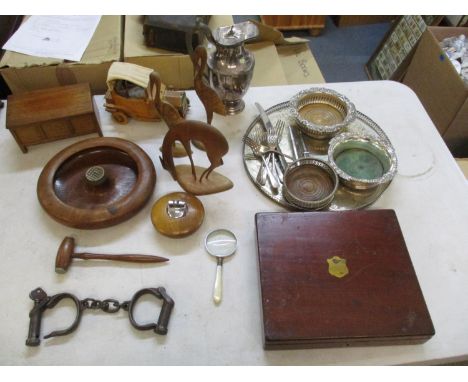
42,302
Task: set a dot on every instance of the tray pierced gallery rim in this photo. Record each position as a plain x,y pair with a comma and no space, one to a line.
345,198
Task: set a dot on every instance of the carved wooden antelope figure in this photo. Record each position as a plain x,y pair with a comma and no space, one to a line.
207,95
215,144
184,131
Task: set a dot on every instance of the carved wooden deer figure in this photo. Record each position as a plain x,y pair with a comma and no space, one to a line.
184,131
215,144
207,95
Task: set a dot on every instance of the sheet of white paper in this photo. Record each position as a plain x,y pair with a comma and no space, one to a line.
63,37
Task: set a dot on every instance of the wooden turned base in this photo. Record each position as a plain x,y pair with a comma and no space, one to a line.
215,182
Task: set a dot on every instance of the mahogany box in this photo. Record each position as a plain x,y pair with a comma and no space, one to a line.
47,115
331,279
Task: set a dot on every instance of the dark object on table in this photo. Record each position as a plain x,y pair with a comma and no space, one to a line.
96,183
8,25
42,302
66,254
175,33
331,279
46,115
1,104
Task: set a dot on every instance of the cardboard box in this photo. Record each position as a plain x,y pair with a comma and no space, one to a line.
175,69
278,61
299,64
441,90
25,73
463,164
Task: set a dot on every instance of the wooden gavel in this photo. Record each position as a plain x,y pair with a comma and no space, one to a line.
65,256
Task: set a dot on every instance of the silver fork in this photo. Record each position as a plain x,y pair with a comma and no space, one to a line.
258,150
265,168
272,139
280,163
262,148
262,174
265,138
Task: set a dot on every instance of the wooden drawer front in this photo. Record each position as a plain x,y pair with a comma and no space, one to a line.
57,129
30,134
84,124
294,22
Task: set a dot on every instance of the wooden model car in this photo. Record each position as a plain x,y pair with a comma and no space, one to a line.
127,94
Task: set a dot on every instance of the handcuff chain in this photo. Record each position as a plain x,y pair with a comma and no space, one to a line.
108,306
43,302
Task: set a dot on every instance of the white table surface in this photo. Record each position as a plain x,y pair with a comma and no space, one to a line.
429,195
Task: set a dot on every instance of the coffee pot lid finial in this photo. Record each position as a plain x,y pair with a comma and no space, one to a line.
236,34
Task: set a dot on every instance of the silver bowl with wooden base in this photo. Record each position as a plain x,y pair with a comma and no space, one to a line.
310,183
321,113
362,162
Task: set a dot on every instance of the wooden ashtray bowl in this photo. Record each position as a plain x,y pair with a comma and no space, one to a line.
96,183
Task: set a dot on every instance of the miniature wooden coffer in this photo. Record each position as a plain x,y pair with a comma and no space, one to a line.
47,115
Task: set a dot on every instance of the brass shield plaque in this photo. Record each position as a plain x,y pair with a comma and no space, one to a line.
337,266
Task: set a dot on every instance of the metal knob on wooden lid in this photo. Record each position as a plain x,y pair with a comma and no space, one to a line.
95,175
176,209
177,214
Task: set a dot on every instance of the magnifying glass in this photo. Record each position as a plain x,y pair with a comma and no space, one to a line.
220,243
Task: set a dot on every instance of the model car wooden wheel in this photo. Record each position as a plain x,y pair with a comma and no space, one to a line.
120,117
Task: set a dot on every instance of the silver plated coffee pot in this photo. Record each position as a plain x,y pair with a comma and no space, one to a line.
231,66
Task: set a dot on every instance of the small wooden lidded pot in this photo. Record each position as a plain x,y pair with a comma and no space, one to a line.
177,214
